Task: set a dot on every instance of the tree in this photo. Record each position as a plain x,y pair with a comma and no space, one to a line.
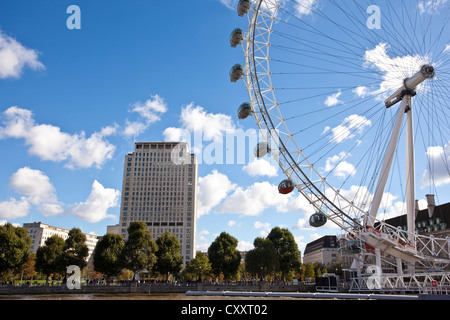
224,256
48,256
75,250
309,271
197,268
169,259
107,255
263,259
15,246
140,248
287,250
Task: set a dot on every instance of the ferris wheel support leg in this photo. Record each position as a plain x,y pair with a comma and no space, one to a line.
386,168
410,170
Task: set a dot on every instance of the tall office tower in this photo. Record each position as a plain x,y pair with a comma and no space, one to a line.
160,188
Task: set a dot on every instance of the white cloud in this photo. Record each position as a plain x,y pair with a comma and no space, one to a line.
333,100
251,201
212,126
265,228
95,208
212,189
304,7
395,70
231,223
149,111
361,91
245,246
339,166
37,189
34,184
438,171
49,143
260,167
14,57
13,209
430,6
230,4
347,129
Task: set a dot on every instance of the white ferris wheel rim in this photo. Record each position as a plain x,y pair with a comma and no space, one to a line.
272,125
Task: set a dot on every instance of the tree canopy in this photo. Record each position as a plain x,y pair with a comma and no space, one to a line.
107,255
15,245
140,248
224,256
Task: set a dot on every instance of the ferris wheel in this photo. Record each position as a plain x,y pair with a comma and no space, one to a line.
352,99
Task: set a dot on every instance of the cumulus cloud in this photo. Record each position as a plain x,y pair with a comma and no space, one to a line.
438,171
394,70
14,57
333,100
352,125
12,209
48,142
195,119
212,189
37,189
96,207
304,7
431,6
339,167
149,112
264,227
260,167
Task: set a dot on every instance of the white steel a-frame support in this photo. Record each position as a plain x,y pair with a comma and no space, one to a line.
404,94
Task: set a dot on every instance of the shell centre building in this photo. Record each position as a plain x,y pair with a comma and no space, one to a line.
160,188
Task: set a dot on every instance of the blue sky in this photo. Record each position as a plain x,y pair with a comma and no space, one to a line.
72,103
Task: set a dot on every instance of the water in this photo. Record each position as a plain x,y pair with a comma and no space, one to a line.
136,297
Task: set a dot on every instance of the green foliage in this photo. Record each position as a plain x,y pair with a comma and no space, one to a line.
197,268
107,255
15,245
287,250
224,256
48,257
263,259
169,259
140,248
75,250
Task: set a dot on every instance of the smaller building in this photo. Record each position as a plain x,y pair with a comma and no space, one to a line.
324,250
39,232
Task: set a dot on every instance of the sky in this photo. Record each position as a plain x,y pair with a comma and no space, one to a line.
74,100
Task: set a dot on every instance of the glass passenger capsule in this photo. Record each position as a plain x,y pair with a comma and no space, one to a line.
353,246
262,149
243,7
318,220
236,37
286,186
236,72
244,111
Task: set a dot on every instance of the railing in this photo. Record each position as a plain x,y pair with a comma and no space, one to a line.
431,248
437,283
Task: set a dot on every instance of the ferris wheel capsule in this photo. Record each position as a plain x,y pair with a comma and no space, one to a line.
286,186
262,149
353,246
236,37
244,111
236,72
318,220
243,7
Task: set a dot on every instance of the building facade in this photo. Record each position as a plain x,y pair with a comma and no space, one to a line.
324,250
39,232
160,189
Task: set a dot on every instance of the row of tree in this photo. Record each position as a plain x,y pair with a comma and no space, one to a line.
277,255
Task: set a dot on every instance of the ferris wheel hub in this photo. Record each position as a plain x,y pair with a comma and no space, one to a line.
410,85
